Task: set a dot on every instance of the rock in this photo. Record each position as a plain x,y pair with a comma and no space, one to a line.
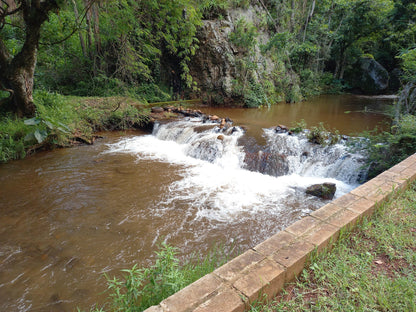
374,77
281,129
220,137
214,118
222,124
215,64
324,190
157,110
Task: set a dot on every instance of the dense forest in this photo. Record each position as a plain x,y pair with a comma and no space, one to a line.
225,52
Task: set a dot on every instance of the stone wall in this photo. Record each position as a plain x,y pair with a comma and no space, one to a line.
265,268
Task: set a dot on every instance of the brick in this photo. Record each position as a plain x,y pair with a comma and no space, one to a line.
399,168
192,295
382,192
367,188
344,219
293,258
326,211
157,308
345,200
410,173
274,243
302,226
266,278
388,175
363,206
322,236
226,300
232,269
409,161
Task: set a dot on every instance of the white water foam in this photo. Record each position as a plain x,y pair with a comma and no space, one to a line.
213,181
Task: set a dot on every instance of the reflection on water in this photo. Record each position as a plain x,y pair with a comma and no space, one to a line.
349,114
68,216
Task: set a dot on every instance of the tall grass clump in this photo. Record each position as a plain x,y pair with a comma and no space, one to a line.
140,288
12,139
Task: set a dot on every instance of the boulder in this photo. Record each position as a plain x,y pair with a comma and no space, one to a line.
374,78
324,190
216,64
157,110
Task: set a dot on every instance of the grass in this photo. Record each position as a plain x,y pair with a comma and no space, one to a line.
140,288
371,269
64,120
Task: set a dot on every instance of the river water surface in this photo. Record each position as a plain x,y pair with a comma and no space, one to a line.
68,216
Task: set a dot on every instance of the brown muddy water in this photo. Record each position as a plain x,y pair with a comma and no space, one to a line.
68,216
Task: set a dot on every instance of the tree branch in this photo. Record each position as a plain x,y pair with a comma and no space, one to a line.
77,28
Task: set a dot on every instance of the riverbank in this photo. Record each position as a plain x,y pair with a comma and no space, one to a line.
64,121
372,268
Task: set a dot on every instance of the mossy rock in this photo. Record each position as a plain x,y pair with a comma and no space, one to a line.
324,190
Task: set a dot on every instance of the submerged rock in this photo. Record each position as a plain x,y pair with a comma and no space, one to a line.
324,190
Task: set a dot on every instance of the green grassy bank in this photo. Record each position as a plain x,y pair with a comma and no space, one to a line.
370,269
63,121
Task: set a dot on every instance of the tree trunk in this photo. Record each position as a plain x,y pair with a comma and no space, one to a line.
81,38
17,73
308,19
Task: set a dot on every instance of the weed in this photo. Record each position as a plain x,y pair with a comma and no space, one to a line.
320,135
141,288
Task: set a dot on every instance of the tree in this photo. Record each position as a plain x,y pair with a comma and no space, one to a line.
17,70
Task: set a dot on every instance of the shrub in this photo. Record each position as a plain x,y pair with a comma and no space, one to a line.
141,288
385,149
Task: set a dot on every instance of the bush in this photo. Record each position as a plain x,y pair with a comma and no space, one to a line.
142,288
385,149
320,135
12,139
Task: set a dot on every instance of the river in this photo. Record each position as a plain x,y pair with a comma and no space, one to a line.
68,216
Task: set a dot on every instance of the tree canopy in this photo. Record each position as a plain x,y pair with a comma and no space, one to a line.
97,47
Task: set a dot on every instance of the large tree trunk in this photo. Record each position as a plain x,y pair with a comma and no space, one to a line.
17,73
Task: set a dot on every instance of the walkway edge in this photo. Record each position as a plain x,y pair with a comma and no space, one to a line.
264,269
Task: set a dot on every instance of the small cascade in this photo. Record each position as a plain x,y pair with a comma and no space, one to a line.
313,160
283,154
204,141
227,176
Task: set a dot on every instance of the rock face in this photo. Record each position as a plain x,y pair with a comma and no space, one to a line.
374,77
325,190
217,63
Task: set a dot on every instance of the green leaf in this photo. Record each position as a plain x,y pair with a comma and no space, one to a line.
40,135
32,121
49,124
29,137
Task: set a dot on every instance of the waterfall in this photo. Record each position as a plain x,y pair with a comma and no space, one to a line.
313,160
284,154
227,177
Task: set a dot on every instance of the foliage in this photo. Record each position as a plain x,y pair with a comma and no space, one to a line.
12,143
322,136
408,58
298,127
244,35
387,148
141,288
60,120
372,269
